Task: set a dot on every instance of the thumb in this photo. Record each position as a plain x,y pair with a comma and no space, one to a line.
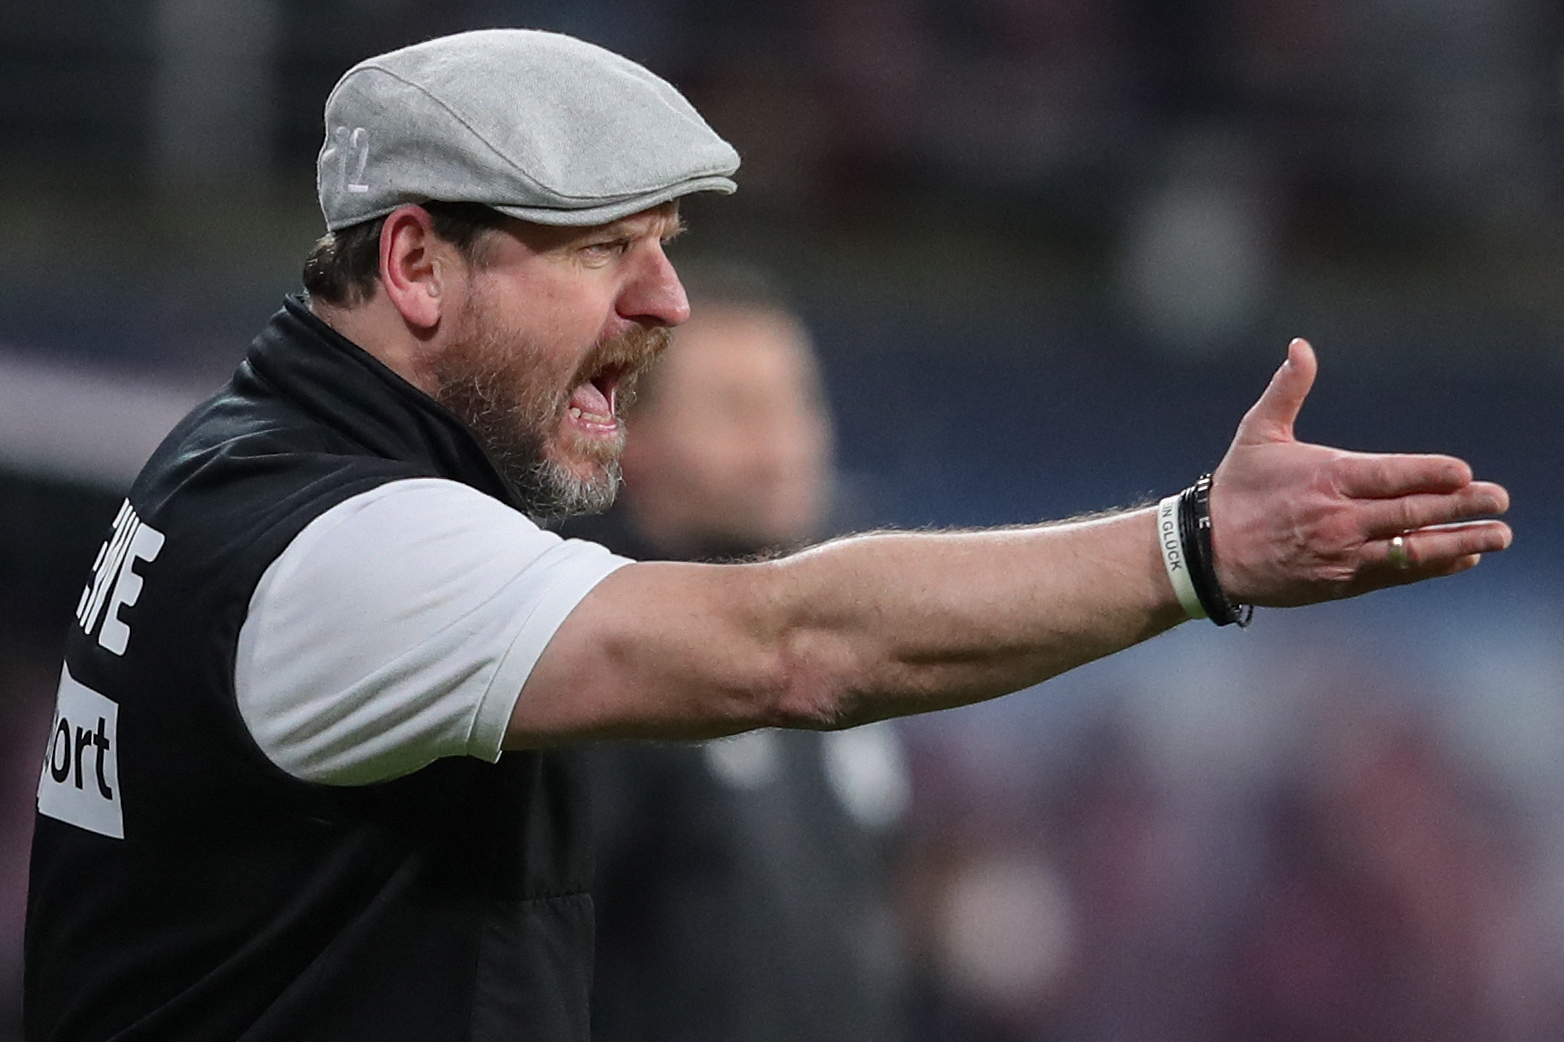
1272,417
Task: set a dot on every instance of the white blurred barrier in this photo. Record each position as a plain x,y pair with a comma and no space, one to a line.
82,424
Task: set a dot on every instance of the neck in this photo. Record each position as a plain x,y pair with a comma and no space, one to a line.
379,329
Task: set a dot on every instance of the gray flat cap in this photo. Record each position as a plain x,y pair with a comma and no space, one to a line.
537,125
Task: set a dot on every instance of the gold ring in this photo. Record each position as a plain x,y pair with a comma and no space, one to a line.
1399,558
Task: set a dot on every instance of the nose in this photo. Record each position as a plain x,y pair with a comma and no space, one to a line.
653,294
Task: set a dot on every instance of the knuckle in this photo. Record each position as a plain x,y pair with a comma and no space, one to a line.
1407,515
1341,473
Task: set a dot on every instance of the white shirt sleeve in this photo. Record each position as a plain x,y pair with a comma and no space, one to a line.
399,626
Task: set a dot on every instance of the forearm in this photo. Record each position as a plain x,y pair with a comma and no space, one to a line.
854,630
892,624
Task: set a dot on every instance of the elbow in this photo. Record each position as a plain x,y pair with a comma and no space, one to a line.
797,673
804,690
807,707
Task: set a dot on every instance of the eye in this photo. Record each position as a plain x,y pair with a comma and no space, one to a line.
611,247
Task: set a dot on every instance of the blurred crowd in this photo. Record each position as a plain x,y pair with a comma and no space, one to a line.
1370,885
1194,167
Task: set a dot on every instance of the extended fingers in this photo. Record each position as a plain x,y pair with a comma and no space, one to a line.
1436,550
1388,516
1379,476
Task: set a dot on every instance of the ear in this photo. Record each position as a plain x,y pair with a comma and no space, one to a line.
416,267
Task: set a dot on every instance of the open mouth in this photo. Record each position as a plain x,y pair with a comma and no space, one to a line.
595,400
605,383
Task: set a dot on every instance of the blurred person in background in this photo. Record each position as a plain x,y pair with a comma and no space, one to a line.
740,887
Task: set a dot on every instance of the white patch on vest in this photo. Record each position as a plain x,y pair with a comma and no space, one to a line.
80,782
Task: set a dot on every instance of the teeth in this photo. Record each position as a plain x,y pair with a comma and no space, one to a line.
594,417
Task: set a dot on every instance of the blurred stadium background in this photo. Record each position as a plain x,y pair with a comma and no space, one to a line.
1051,249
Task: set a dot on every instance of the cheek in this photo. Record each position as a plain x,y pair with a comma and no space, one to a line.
566,317
552,319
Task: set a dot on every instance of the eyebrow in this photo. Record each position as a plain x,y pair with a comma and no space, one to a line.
624,227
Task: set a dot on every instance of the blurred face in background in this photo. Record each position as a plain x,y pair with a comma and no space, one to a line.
730,448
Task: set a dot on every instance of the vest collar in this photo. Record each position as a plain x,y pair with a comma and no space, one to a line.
346,388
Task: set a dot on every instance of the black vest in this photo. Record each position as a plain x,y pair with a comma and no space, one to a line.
241,903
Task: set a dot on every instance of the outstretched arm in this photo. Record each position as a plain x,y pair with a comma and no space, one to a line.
890,624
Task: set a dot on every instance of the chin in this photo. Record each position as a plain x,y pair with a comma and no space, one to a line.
592,472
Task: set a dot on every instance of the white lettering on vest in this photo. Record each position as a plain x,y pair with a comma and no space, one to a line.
115,584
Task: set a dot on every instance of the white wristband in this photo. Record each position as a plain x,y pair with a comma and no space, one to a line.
1174,559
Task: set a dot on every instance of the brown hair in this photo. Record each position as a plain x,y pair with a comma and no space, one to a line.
344,266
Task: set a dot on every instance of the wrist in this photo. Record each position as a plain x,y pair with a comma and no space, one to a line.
1185,544
1170,544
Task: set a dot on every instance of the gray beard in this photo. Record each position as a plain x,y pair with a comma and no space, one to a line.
548,492
487,384
543,488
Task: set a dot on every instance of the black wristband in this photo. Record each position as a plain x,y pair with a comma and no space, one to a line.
1194,518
